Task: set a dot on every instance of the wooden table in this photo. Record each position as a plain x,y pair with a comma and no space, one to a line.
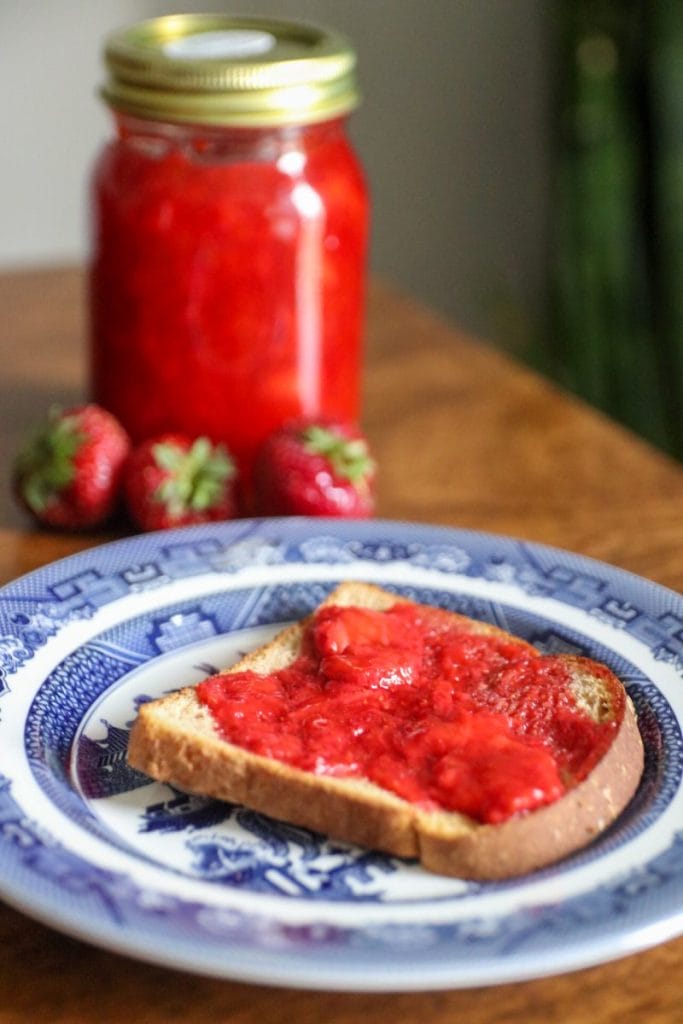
464,437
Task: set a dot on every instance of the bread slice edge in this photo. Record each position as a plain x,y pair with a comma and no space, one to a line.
174,740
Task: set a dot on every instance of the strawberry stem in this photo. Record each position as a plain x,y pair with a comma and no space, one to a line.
45,465
195,478
349,457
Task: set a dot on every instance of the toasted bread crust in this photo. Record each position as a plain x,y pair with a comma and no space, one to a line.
175,740
530,841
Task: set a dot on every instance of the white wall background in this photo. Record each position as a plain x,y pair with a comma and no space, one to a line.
452,132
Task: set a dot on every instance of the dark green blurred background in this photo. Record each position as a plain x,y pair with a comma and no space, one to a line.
613,331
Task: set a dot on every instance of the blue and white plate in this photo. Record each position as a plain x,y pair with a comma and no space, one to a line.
93,848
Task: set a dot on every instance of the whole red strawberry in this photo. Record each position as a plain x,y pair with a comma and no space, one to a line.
68,474
317,468
174,480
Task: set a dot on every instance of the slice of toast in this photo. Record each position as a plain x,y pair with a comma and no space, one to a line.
176,740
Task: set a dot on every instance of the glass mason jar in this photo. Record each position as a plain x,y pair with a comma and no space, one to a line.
229,218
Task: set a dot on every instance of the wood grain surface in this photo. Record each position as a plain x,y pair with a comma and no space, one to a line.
463,437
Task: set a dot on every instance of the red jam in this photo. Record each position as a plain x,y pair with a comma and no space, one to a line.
227,279
415,702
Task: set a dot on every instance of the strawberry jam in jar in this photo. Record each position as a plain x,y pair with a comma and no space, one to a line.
229,218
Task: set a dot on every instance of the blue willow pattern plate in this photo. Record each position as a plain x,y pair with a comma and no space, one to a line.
95,849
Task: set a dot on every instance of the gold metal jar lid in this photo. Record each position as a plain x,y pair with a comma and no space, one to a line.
216,69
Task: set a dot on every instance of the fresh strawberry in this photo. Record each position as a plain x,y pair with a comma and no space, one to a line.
174,480
68,474
320,468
